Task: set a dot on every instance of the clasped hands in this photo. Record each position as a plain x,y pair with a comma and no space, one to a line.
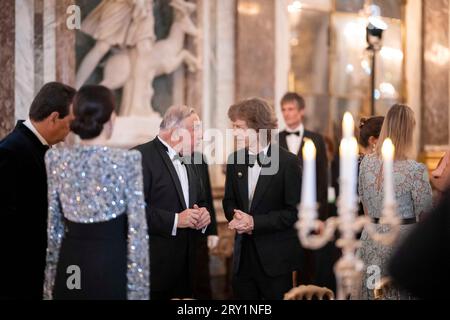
196,218
242,222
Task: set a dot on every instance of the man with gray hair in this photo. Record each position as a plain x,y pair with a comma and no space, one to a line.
175,204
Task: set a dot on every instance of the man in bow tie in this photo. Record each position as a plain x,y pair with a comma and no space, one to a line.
177,211
317,268
23,191
262,191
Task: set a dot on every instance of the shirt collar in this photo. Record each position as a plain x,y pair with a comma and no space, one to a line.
300,128
33,129
170,151
265,150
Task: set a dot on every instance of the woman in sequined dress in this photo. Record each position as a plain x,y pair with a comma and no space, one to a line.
97,230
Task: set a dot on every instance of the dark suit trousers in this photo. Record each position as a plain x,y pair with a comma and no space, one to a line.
252,283
181,291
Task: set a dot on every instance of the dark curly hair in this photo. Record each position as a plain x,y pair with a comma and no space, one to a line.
369,127
92,107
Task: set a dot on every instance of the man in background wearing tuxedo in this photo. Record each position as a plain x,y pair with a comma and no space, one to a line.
262,191
175,204
317,265
23,191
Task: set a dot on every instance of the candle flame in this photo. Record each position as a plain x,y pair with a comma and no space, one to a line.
388,149
309,150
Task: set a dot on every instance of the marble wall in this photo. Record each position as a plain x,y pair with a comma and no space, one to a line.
7,40
435,77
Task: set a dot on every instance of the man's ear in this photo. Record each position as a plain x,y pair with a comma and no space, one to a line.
175,134
303,112
53,117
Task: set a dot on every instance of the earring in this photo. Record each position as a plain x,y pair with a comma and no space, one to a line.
373,148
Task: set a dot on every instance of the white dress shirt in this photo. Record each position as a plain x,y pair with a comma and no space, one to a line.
253,177
182,176
30,126
293,141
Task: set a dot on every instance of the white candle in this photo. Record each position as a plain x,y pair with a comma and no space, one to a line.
348,126
348,174
309,195
388,151
353,171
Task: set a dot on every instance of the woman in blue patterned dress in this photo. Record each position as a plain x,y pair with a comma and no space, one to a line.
97,230
412,193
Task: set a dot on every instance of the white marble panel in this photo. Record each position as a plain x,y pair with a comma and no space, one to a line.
24,57
49,41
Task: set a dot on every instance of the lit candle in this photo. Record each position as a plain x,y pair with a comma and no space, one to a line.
309,196
388,151
348,126
353,171
348,174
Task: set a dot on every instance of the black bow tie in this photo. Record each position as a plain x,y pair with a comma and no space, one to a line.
260,158
179,157
296,133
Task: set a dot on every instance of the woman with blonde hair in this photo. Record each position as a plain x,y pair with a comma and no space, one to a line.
412,193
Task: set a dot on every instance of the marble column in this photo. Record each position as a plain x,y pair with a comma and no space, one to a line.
49,41
38,44
255,45
65,55
435,77
223,78
194,81
413,64
283,55
24,57
7,40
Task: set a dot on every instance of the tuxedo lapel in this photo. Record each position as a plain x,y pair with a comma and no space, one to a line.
300,153
241,176
173,173
261,187
36,147
264,180
192,176
282,141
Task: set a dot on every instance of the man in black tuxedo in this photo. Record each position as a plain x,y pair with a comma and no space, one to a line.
317,265
23,191
293,139
175,204
262,191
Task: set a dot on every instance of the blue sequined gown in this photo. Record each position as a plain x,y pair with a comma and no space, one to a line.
97,230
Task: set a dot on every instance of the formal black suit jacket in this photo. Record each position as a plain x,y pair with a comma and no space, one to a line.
321,166
23,212
203,173
171,257
274,211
